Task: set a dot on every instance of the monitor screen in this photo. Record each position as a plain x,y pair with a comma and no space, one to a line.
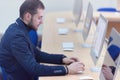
114,38
99,38
109,70
114,44
88,21
114,51
77,11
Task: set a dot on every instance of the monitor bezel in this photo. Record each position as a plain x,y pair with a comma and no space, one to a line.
96,55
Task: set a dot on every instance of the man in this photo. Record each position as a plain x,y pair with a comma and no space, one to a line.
20,59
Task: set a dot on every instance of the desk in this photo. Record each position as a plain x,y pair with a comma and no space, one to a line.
52,43
113,20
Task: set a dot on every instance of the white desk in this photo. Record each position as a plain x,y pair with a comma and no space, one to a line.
52,43
113,20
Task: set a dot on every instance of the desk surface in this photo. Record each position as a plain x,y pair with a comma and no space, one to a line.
113,20
111,16
52,43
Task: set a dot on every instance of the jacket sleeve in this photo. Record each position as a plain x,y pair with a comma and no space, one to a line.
20,50
48,58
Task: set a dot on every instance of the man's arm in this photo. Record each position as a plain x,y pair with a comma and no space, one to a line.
20,49
48,58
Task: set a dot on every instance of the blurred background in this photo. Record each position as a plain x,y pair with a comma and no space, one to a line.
9,9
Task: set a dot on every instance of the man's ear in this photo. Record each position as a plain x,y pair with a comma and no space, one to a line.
27,17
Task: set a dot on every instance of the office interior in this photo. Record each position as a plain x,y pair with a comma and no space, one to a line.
10,10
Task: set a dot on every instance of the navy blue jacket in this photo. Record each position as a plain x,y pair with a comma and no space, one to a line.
21,60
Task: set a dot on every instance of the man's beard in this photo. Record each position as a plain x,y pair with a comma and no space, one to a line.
30,24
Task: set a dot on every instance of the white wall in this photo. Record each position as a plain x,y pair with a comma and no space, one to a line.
62,5
103,3
58,5
9,9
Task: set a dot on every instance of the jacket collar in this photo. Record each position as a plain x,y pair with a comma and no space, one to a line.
21,24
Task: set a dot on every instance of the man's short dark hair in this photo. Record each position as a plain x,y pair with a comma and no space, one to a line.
30,6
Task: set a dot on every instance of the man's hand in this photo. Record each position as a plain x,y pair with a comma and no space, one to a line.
75,67
69,60
107,72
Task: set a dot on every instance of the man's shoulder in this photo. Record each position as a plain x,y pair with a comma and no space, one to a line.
13,29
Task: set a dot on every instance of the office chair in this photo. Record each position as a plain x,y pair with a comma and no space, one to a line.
34,38
114,51
107,9
110,39
3,74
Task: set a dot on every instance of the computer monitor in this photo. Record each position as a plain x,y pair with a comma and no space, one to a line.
77,11
114,38
88,21
114,43
99,38
112,70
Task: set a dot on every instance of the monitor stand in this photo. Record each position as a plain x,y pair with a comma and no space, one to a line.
85,45
95,69
78,30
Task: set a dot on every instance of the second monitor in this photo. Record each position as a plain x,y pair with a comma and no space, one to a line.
99,40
